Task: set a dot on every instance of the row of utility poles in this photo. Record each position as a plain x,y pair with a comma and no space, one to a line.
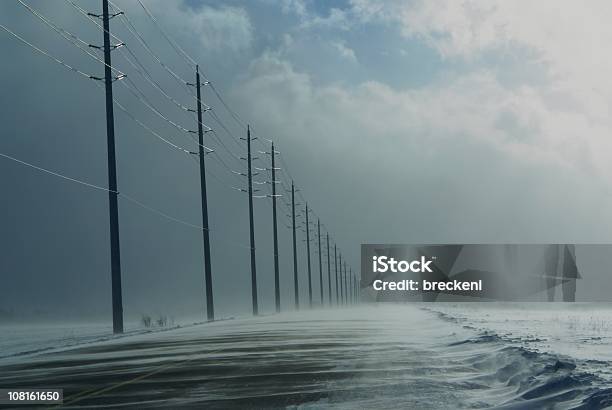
346,284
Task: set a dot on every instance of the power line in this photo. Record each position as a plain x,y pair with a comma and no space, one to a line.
133,60
233,114
175,46
160,213
132,87
88,16
215,117
57,60
132,29
68,36
145,101
144,73
130,26
78,181
151,131
134,90
120,194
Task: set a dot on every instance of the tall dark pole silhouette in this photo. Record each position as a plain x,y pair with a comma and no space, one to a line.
275,234
251,225
343,279
320,260
308,257
329,272
354,287
336,272
113,207
353,294
350,286
295,271
210,310
341,301
345,285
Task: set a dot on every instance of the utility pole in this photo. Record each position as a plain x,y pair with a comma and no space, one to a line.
351,288
276,274
348,288
320,260
329,272
308,254
252,233
113,207
345,297
210,310
353,294
354,278
336,271
295,271
345,285
341,285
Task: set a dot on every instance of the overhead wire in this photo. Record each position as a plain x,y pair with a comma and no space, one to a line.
119,194
57,174
141,69
72,38
149,129
172,43
68,36
138,94
45,53
130,26
132,29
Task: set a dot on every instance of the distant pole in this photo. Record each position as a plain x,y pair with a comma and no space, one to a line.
276,274
354,277
251,224
113,207
308,255
353,285
351,288
345,285
320,260
341,285
336,271
329,272
210,310
295,271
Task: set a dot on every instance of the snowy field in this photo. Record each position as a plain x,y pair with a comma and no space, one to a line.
433,356
579,330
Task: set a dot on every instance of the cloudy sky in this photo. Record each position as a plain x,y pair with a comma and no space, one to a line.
400,121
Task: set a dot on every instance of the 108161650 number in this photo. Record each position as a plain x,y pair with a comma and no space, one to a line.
34,395
31,396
